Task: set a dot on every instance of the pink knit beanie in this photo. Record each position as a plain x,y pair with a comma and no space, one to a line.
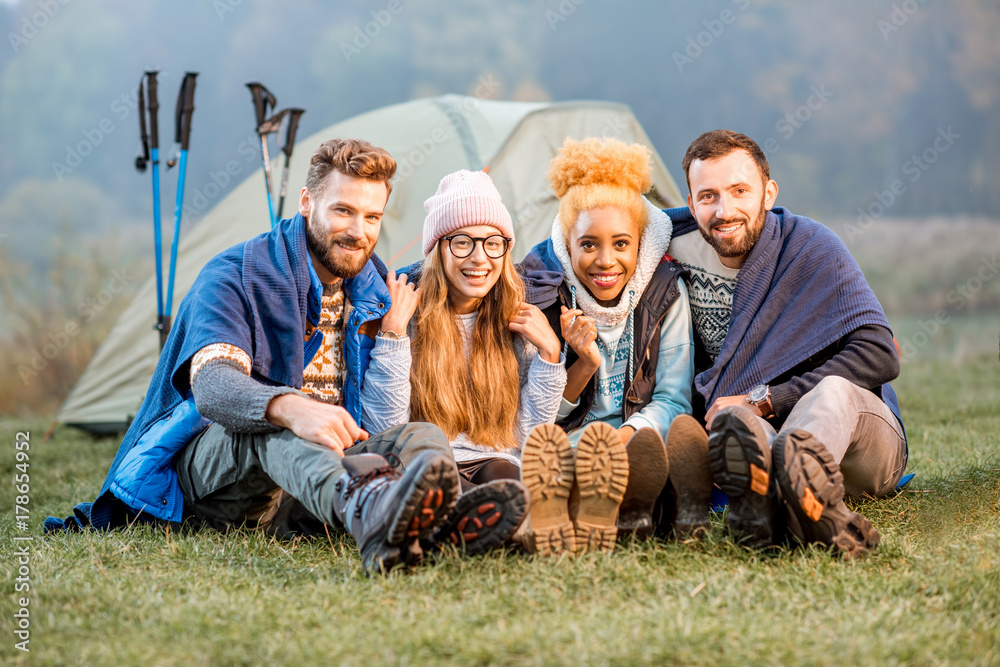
465,198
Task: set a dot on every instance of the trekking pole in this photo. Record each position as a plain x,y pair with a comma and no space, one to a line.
293,126
262,100
182,135
270,126
151,154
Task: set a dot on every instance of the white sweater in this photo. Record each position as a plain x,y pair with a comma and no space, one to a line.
385,394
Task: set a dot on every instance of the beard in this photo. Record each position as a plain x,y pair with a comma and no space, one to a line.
736,247
323,249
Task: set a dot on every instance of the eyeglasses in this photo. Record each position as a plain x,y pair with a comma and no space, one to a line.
462,245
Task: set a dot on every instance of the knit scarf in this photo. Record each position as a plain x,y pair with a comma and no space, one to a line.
652,247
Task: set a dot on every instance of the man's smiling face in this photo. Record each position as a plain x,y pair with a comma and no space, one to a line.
730,199
343,221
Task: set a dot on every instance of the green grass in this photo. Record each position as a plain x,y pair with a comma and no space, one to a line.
930,595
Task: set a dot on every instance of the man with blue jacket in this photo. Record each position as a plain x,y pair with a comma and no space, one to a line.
793,355
271,344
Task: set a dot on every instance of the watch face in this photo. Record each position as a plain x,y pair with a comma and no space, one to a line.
758,393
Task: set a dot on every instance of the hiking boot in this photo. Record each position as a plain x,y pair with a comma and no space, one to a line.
740,459
648,469
387,512
690,477
485,517
548,471
601,477
813,489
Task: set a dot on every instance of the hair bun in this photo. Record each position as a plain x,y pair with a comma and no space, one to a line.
601,161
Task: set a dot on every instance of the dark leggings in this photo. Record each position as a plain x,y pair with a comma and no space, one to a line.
474,473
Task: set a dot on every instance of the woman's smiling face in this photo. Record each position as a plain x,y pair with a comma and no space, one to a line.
603,248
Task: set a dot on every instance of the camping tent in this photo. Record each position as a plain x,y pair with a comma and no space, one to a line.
429,138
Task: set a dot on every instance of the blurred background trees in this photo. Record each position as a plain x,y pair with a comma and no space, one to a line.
842,96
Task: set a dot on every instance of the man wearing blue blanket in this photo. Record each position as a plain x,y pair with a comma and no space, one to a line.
793,356
271,344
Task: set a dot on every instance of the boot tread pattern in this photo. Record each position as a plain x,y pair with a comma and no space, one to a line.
814,486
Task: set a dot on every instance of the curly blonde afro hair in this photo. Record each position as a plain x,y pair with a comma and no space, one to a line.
601,172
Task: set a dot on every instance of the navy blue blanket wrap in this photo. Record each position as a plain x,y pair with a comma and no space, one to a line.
798,292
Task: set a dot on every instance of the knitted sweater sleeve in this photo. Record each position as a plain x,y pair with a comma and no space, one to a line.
542,385
224,393
385,392
867,357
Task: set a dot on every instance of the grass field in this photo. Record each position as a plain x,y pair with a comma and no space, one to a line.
930,595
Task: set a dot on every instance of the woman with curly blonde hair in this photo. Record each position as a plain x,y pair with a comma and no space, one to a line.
603,278
475,360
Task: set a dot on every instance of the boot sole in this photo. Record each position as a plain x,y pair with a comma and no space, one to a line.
429,502
648,469
740,462
602,477
690,476
485,517
548,471
813,488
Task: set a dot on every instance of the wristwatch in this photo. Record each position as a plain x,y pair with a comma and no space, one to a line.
761,397
391,335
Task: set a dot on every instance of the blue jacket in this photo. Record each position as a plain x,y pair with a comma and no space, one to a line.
262,296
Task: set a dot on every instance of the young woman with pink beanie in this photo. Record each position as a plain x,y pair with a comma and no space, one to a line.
465,351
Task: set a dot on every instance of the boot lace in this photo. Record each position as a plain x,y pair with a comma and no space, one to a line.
364,482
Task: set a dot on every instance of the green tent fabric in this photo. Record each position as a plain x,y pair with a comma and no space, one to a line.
429,138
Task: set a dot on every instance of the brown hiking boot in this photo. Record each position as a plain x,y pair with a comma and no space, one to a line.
547,469
602,477
813,489
648,469
690,476
740,459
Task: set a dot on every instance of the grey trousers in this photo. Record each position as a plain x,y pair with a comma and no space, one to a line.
277,481
857,428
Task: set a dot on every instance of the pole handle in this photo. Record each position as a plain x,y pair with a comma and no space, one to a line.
143,157
262,99
185,110
272,124
154,109
293,127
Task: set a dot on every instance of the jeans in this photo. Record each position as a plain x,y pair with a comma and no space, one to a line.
264,480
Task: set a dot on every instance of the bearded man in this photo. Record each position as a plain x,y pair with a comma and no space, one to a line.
252,416
793,356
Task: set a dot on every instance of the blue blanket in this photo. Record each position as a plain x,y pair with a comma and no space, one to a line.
798,292
259,296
